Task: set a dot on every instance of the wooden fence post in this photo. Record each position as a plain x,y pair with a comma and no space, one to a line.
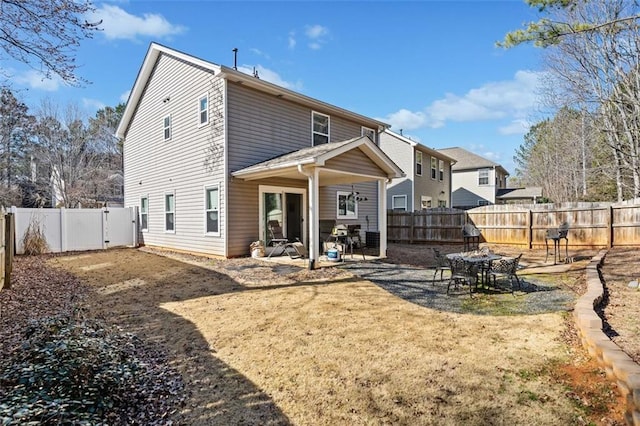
9,247
412,227
530,228
610,228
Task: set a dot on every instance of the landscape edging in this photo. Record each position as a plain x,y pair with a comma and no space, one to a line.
619,367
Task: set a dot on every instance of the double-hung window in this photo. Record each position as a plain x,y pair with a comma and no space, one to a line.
434,166
203,110
399,202
144,213
425,202
319,128
169,212
418,163
212,210
166,126
441,170
483,177
347,206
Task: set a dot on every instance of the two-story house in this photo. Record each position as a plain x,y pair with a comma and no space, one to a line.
477,181
211,155
427,180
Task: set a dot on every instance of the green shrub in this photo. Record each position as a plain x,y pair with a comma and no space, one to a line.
82,372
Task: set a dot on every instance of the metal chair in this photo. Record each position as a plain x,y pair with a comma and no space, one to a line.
277,241
353,238
470,236
506,267
442,264
555,235
462,272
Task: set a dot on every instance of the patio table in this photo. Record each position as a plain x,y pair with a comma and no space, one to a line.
484,262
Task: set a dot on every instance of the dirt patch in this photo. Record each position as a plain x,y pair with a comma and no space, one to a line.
260,343
622,323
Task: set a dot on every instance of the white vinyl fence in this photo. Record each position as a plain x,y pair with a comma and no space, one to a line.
79,229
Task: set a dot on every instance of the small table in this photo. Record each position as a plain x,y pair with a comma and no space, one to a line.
482,260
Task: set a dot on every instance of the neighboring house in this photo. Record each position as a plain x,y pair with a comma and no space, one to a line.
477,181
427,180
212,154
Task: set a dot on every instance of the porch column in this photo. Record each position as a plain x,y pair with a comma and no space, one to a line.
382,216
314,214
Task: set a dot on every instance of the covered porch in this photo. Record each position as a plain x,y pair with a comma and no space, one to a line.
341,165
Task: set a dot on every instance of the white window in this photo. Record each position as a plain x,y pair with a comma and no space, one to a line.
166,125
169,213
347,206
418,163
319,128
483,177
399,202
203,110
425,202
434,166
144,213
212,213
441,168
370,133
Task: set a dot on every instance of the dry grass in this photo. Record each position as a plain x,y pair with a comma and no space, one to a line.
259,343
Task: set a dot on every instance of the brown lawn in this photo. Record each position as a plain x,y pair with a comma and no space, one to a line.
261,343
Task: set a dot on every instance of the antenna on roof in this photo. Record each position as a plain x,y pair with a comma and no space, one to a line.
255,73
235,58
400,132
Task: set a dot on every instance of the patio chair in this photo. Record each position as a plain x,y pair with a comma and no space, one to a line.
555,235
462,272
470,236
442,264
507,267
277,241
353,237
325,228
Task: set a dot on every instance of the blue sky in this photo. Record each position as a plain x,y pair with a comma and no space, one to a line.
430,68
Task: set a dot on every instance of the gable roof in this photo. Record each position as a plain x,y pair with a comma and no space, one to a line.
420,147
530,192
466,160
317,156
155,50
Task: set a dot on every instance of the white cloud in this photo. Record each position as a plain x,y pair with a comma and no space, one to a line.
93,104
37,80
516,127
271,76
259,52
119,24
509,99
125,96
292,40
317,35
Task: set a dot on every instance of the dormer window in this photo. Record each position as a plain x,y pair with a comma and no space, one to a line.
319,128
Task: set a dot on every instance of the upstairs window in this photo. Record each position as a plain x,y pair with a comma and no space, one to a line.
418,163
320,128
434,166
370,133
441,170
166,125
483,177
203,110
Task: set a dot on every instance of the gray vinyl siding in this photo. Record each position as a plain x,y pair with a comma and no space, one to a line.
261,127
154,166
366,209
355,161
403,155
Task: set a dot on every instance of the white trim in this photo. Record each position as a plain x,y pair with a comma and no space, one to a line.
145,196
165,212
440,170
164,127
421,162
393,202
281,190
313,132
364,128
226,169
488,171
346,215
428,199
433,170
200,111
207,188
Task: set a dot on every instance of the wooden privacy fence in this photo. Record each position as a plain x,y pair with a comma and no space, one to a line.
592,225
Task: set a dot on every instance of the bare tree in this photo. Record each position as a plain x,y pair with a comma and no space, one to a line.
45,33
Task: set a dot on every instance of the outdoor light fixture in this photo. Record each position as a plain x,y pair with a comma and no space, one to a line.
356,195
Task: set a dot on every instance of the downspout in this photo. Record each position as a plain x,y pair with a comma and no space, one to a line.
312,178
